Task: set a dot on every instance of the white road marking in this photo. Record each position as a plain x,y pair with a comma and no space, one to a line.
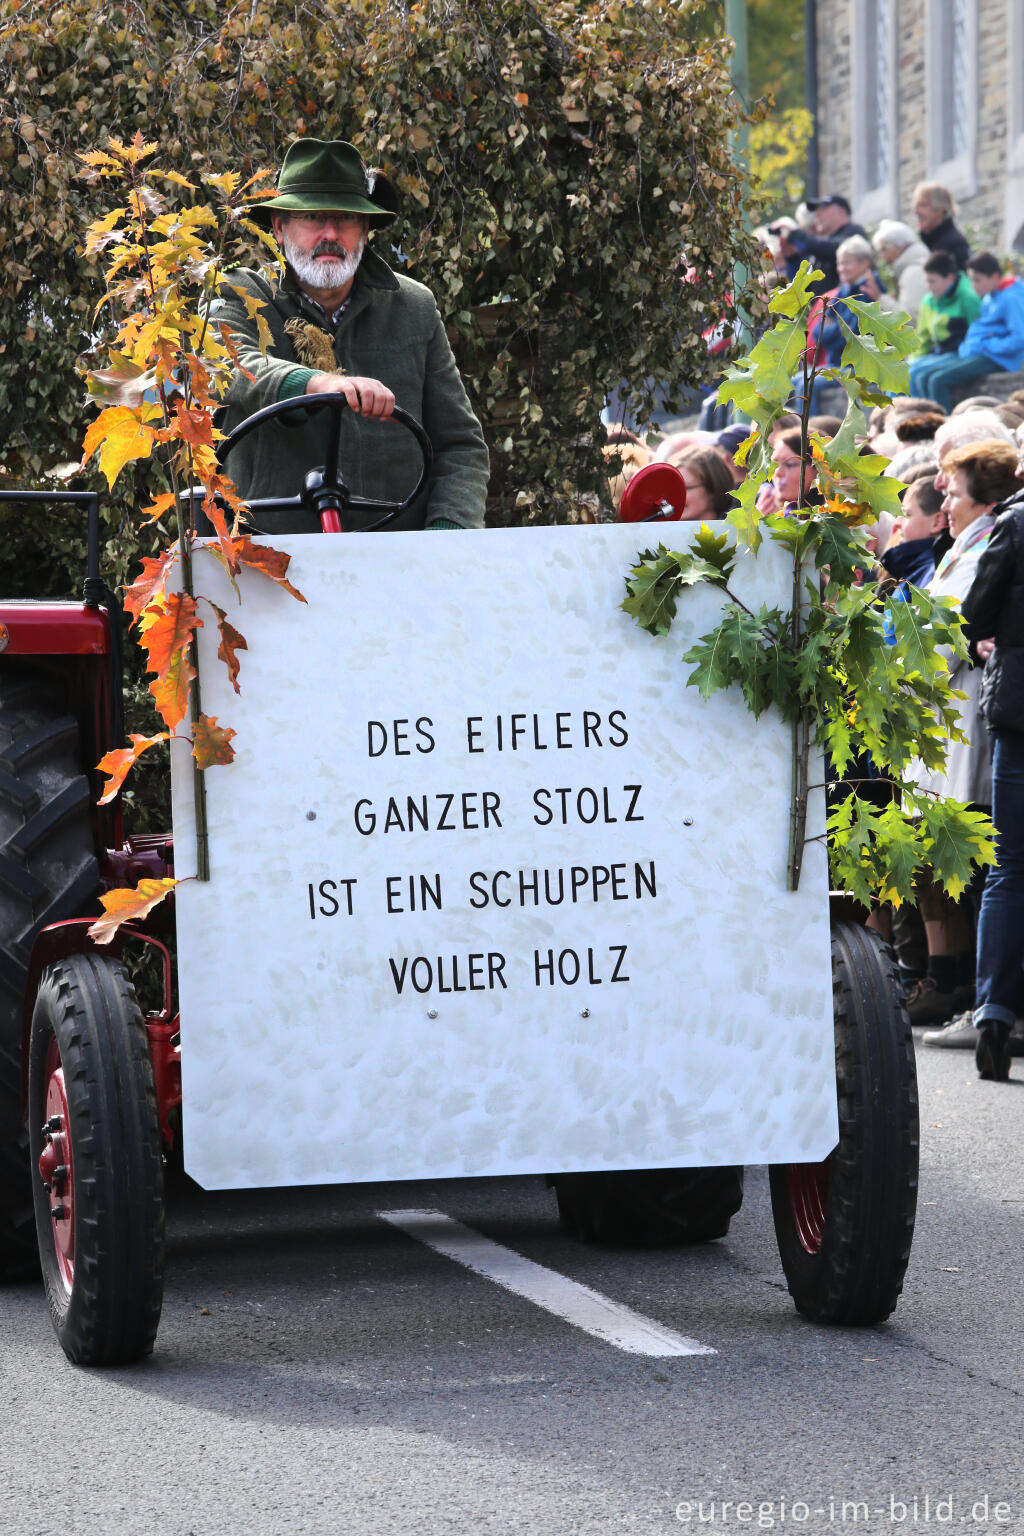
577,1304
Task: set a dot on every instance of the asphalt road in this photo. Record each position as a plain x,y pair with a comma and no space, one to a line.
318,1370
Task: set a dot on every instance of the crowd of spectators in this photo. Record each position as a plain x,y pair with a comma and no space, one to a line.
960,535
967,309
963,473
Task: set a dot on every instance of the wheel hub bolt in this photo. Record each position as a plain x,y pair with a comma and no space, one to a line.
59,1213
53,1124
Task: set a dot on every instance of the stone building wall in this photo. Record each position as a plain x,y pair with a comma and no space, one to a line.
912,102
835,95
987,208
983,211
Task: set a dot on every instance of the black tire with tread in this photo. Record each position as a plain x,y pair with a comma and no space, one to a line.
649,1207
111,1313
48,871
856,1277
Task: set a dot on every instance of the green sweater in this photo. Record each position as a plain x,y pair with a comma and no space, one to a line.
390,330
942,322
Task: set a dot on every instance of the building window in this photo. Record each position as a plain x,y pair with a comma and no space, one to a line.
1013,220
875,126
952,74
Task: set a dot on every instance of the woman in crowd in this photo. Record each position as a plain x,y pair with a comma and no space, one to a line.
994,614
977,479
785,481
709,485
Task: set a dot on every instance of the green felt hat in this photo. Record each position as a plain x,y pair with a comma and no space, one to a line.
320,176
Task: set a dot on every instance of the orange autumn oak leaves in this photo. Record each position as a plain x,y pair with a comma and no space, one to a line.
125,906
169,368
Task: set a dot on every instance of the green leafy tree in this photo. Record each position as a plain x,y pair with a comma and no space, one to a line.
782,132
778,156
560,168
852,673
565,171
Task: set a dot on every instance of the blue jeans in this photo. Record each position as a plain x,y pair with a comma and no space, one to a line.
935,374
1000,982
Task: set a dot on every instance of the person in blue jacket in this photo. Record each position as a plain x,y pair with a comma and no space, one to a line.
994,342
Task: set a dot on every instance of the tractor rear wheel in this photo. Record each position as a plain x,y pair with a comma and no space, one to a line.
649,1206
845,1226
97,1168
47,872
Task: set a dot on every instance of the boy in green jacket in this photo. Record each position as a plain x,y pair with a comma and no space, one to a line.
948,307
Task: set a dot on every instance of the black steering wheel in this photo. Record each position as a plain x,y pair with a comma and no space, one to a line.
324,490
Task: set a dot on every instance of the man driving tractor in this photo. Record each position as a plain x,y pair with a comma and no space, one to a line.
341,321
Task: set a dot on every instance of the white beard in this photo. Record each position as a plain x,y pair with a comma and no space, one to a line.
316,273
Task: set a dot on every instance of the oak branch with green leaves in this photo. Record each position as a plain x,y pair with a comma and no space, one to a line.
860,675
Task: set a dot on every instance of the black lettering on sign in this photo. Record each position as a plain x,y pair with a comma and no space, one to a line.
413,893
450,973
424,734
587,805
325,890
619,735
379,737
492,802
544,820
448,812
376,738
564,729
569,966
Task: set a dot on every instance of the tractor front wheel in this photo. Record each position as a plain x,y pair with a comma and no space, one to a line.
845,1226
97,1171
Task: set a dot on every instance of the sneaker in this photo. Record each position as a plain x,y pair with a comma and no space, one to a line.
958,1035
927,1005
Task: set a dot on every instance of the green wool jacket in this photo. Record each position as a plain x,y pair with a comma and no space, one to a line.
390,330
942,322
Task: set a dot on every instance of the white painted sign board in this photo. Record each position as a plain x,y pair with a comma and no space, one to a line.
492,890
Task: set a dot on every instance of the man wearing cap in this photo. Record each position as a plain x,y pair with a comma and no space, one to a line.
341,321
832,225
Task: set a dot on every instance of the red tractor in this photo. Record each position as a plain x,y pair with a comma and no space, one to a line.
90,1088
77,1060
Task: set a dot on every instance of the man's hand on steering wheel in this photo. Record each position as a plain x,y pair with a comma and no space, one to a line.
367,397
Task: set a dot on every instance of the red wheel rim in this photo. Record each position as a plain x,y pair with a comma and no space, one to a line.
56,1168
808,1201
